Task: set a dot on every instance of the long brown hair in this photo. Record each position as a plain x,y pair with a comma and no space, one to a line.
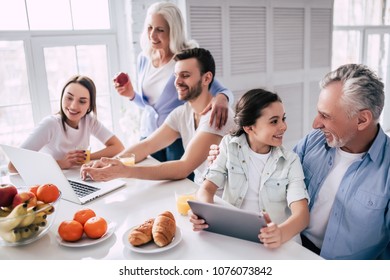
89,85
249,107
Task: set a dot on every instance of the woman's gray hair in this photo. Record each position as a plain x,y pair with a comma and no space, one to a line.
362,89
177,35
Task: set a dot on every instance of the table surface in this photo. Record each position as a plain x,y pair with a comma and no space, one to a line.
131,205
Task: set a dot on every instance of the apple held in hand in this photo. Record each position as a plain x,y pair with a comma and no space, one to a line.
121,78
25,197
7,194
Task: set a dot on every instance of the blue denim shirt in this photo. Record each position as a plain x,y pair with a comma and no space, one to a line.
154,116
359,222
281,180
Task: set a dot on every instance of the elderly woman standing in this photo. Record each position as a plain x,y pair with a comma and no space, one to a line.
164,36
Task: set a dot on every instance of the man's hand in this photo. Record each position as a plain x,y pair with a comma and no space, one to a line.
219,107
104,169
213,153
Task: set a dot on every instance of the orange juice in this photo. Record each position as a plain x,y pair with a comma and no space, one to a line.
181,203
88,157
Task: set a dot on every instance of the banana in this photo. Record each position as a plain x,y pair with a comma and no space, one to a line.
11,236
4,212
33,228
25,232
40,219
45,207
29,219
14,218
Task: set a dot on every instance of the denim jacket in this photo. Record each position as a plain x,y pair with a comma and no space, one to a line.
359,222
282,180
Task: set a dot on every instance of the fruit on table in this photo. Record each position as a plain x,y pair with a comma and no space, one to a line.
83,215
7,193
14,218
47,193
95,227
70,230
24,197
29,218
25,215
121,78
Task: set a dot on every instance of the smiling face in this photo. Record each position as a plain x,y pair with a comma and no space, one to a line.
268,129
158,32
339,129
75,103
188,81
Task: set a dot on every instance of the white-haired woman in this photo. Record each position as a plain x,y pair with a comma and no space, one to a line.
164,36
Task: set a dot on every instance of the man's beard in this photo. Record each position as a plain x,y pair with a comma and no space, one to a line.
337,142
193,92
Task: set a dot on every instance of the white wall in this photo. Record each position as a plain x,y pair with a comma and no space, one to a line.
281,45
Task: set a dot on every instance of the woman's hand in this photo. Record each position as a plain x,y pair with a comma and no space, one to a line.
125,90
73,158
219,107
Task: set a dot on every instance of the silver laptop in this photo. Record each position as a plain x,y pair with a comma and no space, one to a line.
229,221
41,168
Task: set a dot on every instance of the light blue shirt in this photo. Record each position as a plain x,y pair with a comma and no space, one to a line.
281,180
359,221
154,116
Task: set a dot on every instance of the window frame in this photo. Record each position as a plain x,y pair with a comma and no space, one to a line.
115,39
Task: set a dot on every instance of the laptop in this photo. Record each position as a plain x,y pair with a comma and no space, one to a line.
229,221
41,168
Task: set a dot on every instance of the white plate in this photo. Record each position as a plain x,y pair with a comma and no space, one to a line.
151,247
85,241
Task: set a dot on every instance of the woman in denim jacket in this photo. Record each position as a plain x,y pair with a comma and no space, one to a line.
256,173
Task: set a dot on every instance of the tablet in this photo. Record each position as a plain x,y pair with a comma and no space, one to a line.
229,221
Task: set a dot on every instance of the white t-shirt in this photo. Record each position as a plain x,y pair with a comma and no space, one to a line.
49,136
156,79
182,120
319,214
255,169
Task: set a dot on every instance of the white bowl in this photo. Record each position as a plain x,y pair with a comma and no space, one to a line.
30,227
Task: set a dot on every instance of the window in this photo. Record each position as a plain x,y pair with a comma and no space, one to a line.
361,35
41,48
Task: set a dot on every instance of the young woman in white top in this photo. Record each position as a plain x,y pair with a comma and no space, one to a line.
256,173
61,134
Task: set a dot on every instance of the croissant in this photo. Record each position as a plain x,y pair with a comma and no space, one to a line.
164,229
142,234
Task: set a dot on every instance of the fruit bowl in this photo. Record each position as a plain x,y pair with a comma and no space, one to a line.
24,224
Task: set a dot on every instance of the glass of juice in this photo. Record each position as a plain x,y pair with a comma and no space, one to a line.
128,159
87,150
182,195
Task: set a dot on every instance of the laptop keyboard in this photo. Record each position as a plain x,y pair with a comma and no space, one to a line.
82,189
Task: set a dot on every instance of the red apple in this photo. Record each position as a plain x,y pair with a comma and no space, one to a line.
121,78
7,193
25,197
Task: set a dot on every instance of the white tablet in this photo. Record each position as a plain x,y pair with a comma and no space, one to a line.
229,221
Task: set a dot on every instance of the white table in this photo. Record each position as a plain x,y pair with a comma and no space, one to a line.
133,204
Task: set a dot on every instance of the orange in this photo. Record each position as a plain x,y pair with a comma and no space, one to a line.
34,189
95,227
70,230
83,215
48,193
